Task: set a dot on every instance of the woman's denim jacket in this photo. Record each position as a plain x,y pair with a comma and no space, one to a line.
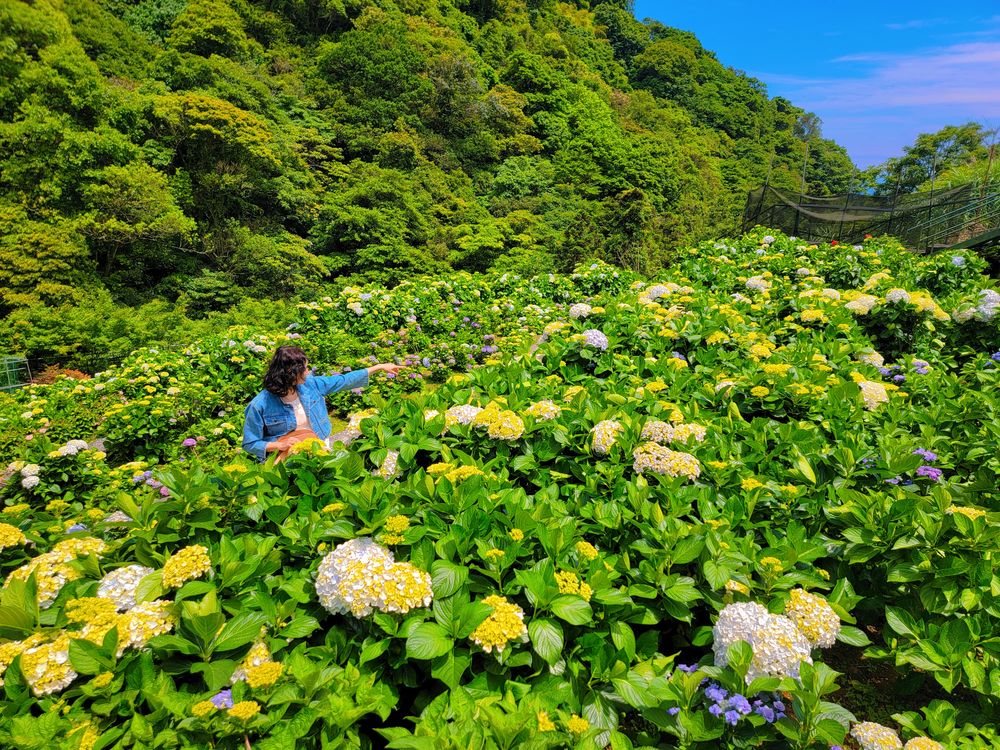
268,417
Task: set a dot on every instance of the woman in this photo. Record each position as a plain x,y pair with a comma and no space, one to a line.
292,406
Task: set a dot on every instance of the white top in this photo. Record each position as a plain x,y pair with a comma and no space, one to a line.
301,420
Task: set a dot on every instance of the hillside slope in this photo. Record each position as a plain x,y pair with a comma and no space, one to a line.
219,148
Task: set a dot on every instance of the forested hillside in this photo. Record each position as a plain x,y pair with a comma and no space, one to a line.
209,150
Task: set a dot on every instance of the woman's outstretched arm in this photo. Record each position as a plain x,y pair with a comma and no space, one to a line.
349,380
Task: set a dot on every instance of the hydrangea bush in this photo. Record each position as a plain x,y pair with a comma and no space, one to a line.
654,513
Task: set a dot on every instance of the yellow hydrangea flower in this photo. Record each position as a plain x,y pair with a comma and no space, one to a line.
186,565
244,710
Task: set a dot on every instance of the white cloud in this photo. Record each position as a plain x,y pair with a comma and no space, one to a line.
916,23
963,76
898,93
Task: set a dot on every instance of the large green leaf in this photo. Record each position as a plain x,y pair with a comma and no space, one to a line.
447,578
239,631
428,640
547,638
572,608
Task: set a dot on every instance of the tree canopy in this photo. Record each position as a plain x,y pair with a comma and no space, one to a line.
163,148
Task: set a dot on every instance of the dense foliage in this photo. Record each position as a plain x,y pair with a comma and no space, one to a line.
954,155
645,526
208,150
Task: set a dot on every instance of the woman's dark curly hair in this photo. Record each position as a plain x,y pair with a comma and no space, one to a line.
287,365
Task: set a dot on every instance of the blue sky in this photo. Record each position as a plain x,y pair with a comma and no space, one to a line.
877,73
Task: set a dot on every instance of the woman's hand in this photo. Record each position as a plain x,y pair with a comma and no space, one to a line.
386,367
281,444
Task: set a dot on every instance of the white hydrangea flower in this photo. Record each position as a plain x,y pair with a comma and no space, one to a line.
604,435
897,295
580,310
873,393
30,482
737,622
758,284
360,576
871,357
862,304
461,414
989,302
120,584
543,410
388,469
873,736
779,647
30,470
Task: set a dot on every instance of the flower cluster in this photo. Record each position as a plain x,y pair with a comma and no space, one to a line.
258,669
389,469
543,410
53,570
580,310
46,667
569,583
779,647
604,435
10,536
664,432
120,584
872,736
461,414
734,707
657,459
505,426
360,576
144,622
595,339
504,625
186,565
814,616
873,393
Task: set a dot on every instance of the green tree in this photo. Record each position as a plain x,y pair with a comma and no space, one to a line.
930,154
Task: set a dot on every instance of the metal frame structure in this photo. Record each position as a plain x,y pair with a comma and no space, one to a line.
922,221
15,372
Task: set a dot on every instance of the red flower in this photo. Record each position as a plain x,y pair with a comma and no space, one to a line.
868,236
834,243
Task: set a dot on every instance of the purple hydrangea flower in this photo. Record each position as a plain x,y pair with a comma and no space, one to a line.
597,339
995,356
689,668
925,454
76,527
740,703
779,706
732,717
716,693
894,480
165,491
898,378
715,709
931,472
674,710
767,712
223,699
189,442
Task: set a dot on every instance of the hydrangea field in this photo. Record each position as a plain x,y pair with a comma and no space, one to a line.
748,503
